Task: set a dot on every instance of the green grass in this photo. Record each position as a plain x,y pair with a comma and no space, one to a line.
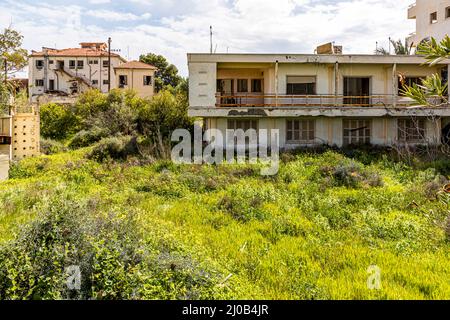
311,232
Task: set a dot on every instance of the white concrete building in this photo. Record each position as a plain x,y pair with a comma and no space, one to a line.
316,99
55,74
432,20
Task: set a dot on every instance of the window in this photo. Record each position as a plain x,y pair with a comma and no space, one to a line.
39,82
300,131
39,64
105,63
256,85
147,80
242,124
105,81
301,85
433,17
50,61
123,81
72,64
447,12
411,130
93,61
242,85
80,64
408,81
356,131
95,82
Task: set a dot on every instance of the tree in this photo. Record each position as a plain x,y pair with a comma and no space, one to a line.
399,48
433,91
12,57
166,75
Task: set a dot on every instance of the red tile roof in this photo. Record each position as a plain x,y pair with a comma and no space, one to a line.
136,65
74,52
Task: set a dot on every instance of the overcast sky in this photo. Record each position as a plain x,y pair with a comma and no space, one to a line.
174,27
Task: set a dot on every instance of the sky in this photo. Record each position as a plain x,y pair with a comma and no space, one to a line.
173,28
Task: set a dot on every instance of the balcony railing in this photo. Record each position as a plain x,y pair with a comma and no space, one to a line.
273,100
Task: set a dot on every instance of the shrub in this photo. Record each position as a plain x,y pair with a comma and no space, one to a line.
57,121
86,138
116,148
351,175
49,146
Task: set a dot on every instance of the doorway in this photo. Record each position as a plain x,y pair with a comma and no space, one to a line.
226,89
51,85
358,91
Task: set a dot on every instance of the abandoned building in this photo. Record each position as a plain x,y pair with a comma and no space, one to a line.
312,99
137,76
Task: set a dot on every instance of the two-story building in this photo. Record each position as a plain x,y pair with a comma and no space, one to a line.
68,72
315,99
137,76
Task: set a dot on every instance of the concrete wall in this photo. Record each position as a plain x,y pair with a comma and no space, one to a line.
421,12
384,131
135,79
202,84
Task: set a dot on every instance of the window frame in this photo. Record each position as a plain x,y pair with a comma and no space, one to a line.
447,12
105,63
296,127
39,82
351,131
239,89
41,64
235,123
72,64
433,17
147,83
405,128
289,86
252,85
123,84
80,64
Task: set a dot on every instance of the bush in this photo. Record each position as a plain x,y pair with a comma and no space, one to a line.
85,138
351,175
57,121
116,148
49,146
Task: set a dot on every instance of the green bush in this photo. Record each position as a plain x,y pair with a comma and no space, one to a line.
49,146
116,148
57,121
86,138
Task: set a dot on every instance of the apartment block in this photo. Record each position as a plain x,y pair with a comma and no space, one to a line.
432,20
313,99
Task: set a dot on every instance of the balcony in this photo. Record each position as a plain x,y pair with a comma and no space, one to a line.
310,101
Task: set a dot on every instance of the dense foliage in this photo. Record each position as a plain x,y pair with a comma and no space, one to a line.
160,230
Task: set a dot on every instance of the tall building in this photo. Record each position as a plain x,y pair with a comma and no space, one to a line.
432,20
59,73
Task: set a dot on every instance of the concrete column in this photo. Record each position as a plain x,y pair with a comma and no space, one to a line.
336,82
276,83
394,85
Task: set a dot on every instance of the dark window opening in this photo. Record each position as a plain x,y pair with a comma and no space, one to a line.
123,81
242,85
357,90
300,85
256,85
39,64
72,64
147,80
433,17
80,64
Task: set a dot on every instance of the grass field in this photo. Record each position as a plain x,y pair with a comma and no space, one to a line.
161,231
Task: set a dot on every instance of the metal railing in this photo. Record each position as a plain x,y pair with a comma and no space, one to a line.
278,100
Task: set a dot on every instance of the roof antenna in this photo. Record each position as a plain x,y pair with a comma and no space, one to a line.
210,40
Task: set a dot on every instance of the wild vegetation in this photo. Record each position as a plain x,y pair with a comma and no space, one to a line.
159,230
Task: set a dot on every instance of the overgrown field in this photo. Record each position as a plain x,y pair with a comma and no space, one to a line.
161,231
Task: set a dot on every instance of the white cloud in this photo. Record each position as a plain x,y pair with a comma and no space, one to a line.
99,1
110,15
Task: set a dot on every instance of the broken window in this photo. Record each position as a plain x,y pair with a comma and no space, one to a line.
300,131
433,17
256,85
123,81
301,85
147,80
356,131
242,85
411,130
72,64
39,64
408,82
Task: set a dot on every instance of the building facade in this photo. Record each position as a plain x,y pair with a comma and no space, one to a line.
432,20
137,76
316,99
57,74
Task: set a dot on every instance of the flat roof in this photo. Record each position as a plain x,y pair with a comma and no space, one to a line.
307,58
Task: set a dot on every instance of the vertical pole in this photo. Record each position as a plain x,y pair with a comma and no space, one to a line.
109,64
336,82
394,85
210,40
276,83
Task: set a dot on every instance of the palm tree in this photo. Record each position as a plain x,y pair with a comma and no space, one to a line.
399,48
